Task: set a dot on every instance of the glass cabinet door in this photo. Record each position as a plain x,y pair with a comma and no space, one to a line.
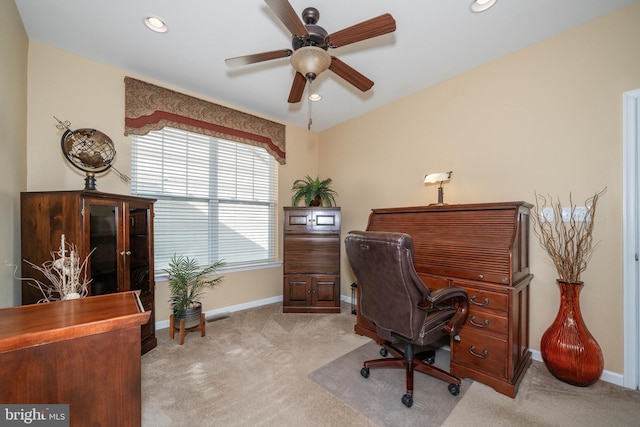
103,240
138,251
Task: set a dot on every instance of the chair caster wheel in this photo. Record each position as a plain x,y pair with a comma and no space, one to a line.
454,389
383,352
364,372
407,400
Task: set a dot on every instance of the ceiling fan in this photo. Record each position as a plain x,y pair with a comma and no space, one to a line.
310,43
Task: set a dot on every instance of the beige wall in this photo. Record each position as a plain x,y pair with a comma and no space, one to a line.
546,119
13,135
91,94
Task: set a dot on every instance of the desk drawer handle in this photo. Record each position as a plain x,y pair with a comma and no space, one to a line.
485,300
484,355
478,325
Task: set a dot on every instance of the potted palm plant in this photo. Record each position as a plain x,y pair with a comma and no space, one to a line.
314,192
187,282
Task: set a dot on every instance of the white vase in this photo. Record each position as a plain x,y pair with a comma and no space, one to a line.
72,295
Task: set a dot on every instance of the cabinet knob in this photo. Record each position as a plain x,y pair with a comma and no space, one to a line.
123,253
480,276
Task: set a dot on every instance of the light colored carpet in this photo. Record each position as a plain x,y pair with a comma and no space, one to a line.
542,400
250,369
254,369
379,396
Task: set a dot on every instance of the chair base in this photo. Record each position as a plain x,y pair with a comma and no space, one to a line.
412,362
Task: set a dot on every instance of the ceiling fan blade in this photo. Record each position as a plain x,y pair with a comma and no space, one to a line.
350,75
373,27
297,89
257,57
285,12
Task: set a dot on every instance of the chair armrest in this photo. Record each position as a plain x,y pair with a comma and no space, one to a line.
438,296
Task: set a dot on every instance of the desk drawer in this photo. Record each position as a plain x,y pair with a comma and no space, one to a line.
485,321
483,352
486,300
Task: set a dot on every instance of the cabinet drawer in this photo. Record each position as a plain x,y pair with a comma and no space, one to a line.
483,299
486,321
482,352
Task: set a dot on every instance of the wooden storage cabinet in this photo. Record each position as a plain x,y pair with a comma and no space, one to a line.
483,248
311,254
119,230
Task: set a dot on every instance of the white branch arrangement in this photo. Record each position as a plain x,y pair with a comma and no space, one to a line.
569,243
67,275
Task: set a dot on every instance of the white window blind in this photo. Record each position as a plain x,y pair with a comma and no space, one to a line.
216,199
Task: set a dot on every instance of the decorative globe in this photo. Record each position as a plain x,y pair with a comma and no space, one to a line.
90,151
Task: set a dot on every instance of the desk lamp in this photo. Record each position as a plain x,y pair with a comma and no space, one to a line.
440,177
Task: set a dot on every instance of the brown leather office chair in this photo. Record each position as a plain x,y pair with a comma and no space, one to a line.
401,306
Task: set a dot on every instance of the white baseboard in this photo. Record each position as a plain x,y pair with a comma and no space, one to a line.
607,376
164,324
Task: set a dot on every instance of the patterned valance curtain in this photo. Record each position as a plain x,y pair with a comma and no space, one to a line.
149,107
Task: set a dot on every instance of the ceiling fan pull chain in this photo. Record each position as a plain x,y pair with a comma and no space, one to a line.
309,103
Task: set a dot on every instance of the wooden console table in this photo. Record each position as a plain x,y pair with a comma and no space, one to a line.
83,352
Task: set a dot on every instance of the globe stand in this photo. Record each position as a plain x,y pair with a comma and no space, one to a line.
90,181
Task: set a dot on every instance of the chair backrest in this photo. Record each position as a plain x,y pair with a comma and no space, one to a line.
390,288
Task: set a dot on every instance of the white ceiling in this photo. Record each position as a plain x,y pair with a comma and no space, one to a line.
434,40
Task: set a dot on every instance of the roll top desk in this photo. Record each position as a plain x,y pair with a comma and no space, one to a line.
483,248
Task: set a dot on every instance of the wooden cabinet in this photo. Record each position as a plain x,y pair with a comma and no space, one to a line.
119,230
311,260
84,353
483,248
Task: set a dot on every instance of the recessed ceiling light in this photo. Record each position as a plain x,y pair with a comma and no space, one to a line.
155,24
482,5
315,97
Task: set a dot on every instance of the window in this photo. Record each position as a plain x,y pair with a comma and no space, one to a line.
216,199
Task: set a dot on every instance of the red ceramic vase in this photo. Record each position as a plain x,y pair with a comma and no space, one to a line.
568,349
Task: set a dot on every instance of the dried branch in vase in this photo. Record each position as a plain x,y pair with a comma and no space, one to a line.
67,276
566,233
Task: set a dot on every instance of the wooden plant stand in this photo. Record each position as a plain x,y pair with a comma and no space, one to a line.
184,331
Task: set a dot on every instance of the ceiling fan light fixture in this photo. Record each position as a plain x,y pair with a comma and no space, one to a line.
315,97
482,5
310,61
155,24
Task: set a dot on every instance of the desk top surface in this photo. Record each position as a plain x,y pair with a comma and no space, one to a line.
38,324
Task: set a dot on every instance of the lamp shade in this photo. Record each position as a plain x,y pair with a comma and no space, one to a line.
310,61
437,177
